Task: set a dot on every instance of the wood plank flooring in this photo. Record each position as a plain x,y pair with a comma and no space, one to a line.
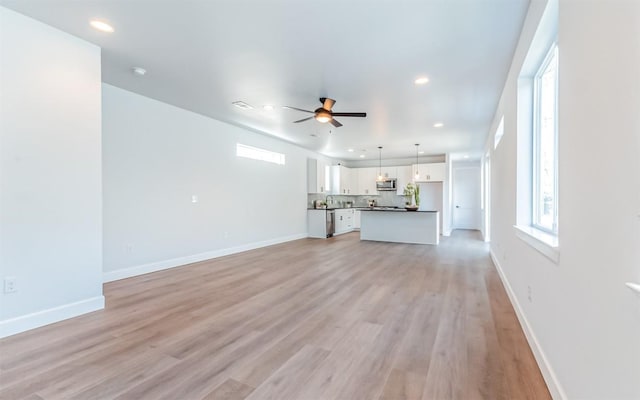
310,319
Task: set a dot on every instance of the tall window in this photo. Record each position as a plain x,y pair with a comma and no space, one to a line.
545,145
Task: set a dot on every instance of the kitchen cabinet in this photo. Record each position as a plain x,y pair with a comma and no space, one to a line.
367,181
343,180
317,176
404,176
356,219
317,223
434,172
344,220
389,172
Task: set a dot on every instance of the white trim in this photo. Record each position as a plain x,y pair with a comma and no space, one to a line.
548,374
545,243
177,262
37,319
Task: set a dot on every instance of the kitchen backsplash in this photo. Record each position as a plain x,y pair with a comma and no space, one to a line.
382,199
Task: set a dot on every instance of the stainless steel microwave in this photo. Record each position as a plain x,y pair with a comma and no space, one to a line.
387,184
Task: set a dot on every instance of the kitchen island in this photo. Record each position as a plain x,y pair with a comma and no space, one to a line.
400,226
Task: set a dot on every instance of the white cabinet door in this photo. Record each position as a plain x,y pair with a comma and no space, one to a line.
345,180
321,178
342,180
434,172
389,172
317,223
344,220
356,219
405,175
437,172
353,181
316,176
367,181
349,215
341,221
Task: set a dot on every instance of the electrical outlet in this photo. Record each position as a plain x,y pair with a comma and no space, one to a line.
10,284
529,295
226,235
194,198
128,248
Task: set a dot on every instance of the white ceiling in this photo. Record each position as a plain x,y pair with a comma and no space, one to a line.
203,55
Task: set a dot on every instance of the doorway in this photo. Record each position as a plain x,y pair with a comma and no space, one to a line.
466,197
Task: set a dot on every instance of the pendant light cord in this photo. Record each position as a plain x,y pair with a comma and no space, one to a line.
417,172
379,163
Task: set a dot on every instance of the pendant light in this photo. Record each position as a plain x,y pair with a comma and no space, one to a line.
417,173
379,163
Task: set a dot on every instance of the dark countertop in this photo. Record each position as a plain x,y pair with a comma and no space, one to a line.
391,209
398,210
338,208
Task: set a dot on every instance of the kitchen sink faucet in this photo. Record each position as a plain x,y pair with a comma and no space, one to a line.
326,200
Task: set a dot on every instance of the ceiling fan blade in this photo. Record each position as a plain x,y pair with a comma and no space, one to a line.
335,123
302,120
349,114
327,103
298,109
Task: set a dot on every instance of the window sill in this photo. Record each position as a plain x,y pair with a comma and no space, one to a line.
545,243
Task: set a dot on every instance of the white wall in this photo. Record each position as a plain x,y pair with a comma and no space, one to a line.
156,156
50,174
582,322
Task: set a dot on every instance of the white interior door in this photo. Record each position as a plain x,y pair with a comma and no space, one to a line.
466,197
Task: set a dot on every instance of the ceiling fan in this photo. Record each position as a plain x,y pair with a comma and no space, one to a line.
324,113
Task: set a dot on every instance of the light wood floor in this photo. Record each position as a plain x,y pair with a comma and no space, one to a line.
310,319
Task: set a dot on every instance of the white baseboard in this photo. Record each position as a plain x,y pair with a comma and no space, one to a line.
34,320
177,262
548,374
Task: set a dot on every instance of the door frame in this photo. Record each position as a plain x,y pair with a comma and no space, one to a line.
478,217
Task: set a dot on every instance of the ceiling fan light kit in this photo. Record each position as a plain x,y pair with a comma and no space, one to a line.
324,113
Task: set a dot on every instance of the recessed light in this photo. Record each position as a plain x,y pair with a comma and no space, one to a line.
466,156
242,104
350,150
101,25
421,81
361,155
438,125
421,152
267,107
139,71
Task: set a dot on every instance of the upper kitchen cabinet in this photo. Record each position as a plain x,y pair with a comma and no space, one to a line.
318,176
434,172
404,176
367,181
389,172
343,180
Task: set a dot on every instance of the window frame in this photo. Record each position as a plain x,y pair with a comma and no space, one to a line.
259,154
536,150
